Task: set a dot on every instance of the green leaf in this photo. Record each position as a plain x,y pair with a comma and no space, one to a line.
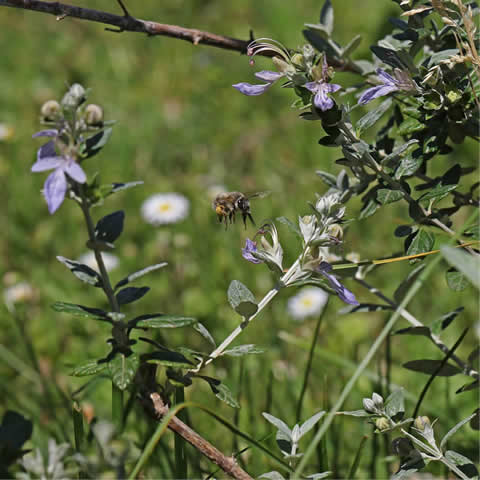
356,413
123,369
369,209
423,242
402,289
465,263
469,386
326,16
409,126
243,350
241,299
279,424
463,463
308,424
456,281
329,179
430,367
408,166
454,429
82,272
390,160
395,404
444,321
422,331
437,193
168,358
139,273
110,227
203,331
80,310
384,195
166,321
351,46
90,368
131,294
96,142
373,116
225,395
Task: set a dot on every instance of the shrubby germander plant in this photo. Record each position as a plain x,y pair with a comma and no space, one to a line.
426,74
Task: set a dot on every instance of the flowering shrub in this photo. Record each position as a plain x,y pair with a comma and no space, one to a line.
427,73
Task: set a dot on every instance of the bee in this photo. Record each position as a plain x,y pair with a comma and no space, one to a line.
228,203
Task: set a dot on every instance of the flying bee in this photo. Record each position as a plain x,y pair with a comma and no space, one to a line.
228,203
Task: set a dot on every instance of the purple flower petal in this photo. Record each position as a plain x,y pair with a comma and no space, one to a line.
332,87
54,190
46,150
46,133
343,293
386,78
322,100
252,90
269,76
375,92
74,170
47,163
250,246
312,86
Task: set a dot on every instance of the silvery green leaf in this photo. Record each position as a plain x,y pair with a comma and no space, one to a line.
351,46
422,242
356,413
96,142
441,55
82,272
395,404
463,463
319,476
139,273
437,193
445,320
408,166
329,179
373,116
385,195
280,424
239,294
468,265
202,330
168,358
430,366
455,428
389,160
243,350
79,310
404,474
456,280
118,187
225,395
123,369
272,476
90,368
310,423
158,320
326,16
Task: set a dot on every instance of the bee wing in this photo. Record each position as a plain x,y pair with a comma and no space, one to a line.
264,194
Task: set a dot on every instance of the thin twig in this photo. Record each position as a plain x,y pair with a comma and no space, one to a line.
228,464
128,23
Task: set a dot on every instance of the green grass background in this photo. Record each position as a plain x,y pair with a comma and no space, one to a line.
182,127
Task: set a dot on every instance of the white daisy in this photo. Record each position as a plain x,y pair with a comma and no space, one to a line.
163,208
88,259
308,302
6,132
20,292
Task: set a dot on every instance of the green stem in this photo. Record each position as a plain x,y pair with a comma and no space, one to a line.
358,457
309,363
180,451
117,407
78,426
373,349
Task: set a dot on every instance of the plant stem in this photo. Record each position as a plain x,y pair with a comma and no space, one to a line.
309,363
180,453
117,407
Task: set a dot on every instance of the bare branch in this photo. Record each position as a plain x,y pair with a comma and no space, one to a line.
227,464
127,23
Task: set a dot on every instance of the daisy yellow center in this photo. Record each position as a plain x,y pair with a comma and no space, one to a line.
307,302
164,207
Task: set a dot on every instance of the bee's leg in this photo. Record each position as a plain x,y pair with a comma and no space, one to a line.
251,219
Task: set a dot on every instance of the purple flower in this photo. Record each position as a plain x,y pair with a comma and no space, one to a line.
56,184
344,294
400,81
259,88
247,252
321,88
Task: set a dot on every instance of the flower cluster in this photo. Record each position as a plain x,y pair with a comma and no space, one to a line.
319,231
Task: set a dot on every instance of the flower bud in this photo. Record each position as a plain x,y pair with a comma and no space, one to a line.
74,97
421,423
377,400
308,52
368,405
298,59
50,109
382,424
93,114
